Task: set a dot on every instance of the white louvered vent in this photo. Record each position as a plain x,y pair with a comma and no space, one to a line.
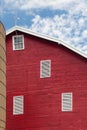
18,103
45,68
66,101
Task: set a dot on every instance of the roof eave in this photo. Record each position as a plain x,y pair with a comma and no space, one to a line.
46,38
73,49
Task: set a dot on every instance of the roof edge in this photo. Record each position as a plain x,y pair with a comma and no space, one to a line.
46,37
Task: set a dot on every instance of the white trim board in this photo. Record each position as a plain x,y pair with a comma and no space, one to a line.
28,31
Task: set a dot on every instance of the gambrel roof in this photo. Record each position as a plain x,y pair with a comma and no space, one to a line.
27,31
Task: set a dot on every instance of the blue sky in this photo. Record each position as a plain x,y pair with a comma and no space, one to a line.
63,19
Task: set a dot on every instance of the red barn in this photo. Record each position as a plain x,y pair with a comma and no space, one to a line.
46,83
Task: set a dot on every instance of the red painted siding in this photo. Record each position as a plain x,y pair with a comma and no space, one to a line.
42,96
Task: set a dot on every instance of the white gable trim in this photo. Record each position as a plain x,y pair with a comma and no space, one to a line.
24,30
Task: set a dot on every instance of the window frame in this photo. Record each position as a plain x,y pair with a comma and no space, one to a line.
13,41
14,104
65,109
41,68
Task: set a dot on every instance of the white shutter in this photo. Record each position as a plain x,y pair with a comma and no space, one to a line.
18,103
66,101
45,69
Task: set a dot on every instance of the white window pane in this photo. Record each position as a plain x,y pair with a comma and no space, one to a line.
18,42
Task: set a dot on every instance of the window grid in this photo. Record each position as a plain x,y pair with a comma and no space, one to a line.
18,42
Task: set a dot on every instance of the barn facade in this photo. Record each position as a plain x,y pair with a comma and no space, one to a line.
46,83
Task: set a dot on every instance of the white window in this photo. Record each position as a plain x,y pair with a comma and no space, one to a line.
18,105
67,101
45,68
18,42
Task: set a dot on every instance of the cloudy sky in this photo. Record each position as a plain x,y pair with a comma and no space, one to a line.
62,19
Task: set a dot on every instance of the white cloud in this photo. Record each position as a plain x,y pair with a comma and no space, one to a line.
84,34
42,4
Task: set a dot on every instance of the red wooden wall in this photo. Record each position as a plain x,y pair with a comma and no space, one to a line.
42,96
